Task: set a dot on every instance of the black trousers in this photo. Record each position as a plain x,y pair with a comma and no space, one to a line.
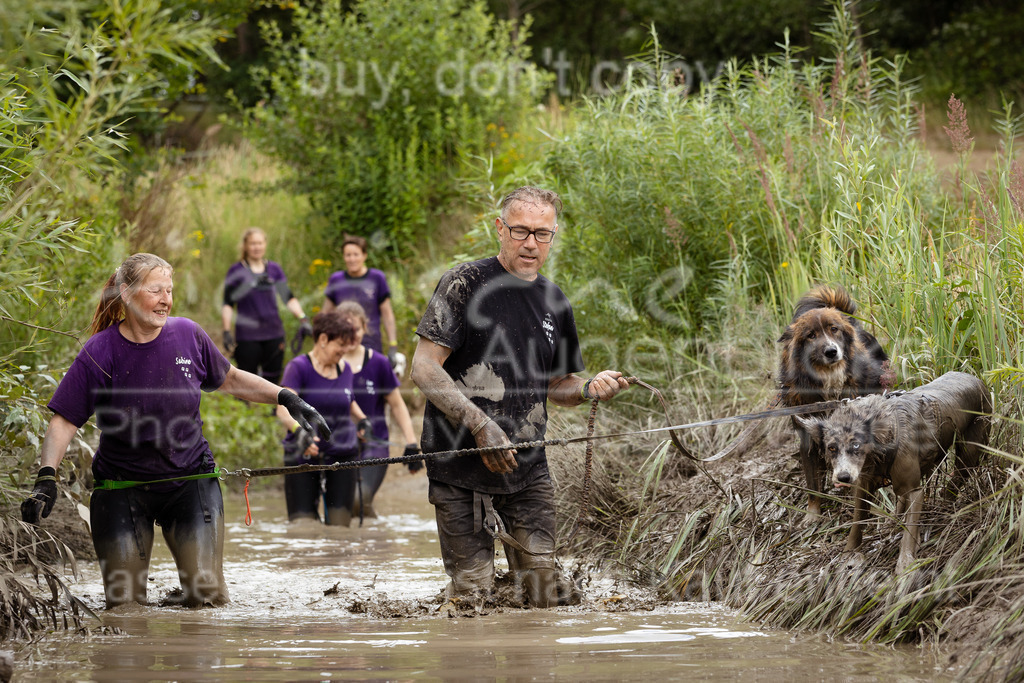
263,358
302,493
192,519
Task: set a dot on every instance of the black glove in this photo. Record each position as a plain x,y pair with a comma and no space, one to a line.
43,496
304,414
229,341
413,465
305,330
366,427
393,356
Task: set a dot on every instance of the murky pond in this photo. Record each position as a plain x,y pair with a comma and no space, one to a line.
296,615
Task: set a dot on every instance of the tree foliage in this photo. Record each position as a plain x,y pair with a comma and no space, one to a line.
374,107
699,198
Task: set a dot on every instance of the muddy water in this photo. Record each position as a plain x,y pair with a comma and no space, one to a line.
313,604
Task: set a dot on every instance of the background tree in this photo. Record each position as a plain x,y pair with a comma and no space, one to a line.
376,107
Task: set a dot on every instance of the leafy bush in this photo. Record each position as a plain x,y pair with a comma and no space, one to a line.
61,127
676,205
64,100
373,108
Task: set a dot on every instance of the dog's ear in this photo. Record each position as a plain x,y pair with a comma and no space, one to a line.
787,335
811,426
881,431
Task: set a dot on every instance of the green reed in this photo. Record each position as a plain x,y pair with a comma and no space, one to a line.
780,176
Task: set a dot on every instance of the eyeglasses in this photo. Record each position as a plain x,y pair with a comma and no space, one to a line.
519,233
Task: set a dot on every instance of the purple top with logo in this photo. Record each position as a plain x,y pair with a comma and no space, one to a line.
255,295
372,384
332,398
146,400
369,291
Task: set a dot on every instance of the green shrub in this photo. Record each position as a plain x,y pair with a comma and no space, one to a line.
667,195
61,122
378,153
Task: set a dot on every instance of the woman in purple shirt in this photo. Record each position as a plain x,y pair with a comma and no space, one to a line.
142,373
375,387
253,285
367,287
323,379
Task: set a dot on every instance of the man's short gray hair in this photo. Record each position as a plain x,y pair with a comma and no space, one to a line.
530,195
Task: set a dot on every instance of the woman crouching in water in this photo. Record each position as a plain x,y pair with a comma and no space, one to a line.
142,373
323,378
375,386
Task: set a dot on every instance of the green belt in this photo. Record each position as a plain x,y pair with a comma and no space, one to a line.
114,484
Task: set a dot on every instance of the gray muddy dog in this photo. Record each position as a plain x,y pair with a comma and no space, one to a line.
901,438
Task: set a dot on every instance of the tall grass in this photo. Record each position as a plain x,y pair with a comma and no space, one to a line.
675,204
227,190
703,219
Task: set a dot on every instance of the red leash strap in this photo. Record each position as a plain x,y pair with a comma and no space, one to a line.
248,510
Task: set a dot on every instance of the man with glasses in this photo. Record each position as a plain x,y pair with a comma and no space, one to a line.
497,341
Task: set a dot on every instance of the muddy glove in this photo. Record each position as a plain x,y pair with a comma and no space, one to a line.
413,465
304,414
43,496
364,429
305,330
393,355
229,341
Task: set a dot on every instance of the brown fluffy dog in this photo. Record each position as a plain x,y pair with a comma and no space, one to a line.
827,355
901,438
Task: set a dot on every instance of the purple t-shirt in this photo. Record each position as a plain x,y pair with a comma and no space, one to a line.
369,291
371,385
255,295
145,398
332,398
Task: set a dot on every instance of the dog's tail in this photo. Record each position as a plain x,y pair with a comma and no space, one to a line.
825,296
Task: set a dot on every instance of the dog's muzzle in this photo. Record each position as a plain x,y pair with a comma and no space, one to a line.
833,353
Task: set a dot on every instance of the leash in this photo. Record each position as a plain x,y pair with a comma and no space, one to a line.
250,473
590,438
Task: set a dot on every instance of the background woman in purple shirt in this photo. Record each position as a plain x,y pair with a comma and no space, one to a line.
375,387
142,373
323,379
367,287
253,285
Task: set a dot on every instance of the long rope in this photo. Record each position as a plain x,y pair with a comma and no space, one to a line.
249,473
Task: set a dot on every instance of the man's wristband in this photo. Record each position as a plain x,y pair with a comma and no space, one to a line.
480,426
585,391
46,474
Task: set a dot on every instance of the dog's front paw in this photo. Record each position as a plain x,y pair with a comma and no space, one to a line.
811,518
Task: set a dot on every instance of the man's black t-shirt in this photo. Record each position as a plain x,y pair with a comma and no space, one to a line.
508,338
